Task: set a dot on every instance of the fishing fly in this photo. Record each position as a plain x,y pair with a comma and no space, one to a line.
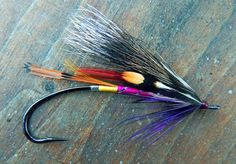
127,68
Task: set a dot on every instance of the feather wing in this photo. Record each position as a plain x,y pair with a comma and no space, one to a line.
92,33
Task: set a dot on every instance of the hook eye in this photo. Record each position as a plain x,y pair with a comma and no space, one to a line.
214,107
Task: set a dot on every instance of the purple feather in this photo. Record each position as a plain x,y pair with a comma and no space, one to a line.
161,123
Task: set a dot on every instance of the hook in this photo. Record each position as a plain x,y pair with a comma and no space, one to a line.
205,105
29,112
213,107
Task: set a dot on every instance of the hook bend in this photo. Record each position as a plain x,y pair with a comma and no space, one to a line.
29,112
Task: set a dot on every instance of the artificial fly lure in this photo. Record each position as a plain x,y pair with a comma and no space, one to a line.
133,70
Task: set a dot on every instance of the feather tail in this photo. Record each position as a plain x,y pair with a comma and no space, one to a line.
55,74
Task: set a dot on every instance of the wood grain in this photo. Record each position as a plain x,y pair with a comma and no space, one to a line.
197,38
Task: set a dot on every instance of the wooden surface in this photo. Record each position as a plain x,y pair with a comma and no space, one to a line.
196,37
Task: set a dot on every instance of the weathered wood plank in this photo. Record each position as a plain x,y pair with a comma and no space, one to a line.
11,11
195,37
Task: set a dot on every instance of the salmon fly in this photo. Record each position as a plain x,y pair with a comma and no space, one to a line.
132,70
